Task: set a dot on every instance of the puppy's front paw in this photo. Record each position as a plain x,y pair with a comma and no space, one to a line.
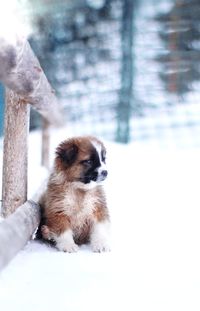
100,237
65,242
99,246
45,232
67,247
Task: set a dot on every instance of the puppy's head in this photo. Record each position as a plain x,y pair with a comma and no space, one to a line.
82,159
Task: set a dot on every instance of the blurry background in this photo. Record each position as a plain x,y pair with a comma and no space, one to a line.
125,70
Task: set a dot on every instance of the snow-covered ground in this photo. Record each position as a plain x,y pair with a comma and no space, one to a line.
153,197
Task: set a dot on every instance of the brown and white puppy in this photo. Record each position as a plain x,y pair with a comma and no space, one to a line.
74,205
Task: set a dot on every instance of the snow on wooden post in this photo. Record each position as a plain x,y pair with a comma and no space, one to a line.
21,72
45,143
17,229
14,187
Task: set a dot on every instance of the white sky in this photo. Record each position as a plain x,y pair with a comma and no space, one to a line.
14,19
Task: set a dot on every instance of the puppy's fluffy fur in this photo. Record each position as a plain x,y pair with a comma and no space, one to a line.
74,209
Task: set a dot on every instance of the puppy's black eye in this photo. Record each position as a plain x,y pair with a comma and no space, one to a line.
86,162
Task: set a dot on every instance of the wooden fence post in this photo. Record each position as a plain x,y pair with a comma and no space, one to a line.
21,72
26,83
16,127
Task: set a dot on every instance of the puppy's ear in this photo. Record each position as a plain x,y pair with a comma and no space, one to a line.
67,152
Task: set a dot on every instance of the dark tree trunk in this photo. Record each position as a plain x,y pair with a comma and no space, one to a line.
126,93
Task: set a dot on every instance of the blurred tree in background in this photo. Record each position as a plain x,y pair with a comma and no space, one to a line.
121,67
67,40
86,50
78,45
180,33
125,105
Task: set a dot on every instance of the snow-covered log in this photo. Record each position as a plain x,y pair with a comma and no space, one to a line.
21,72
17,229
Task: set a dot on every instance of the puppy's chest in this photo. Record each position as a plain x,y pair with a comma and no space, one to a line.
79,206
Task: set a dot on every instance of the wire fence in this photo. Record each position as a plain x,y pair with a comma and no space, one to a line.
82,50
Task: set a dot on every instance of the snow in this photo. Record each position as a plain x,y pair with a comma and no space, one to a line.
15,11
153,197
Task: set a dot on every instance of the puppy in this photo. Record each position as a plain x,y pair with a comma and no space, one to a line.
74,209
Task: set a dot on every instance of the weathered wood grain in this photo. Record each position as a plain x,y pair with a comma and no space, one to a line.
20,71
16,127
17,229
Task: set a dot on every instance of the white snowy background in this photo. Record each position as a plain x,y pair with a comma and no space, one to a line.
153,197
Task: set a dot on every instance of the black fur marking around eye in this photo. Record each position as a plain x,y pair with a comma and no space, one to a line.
91,173
95,159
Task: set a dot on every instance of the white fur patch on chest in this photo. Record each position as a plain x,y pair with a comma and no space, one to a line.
86,211
79,208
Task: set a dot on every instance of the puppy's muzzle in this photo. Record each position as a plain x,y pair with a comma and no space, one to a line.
102,175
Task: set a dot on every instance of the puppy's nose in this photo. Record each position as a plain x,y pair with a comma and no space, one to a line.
104,173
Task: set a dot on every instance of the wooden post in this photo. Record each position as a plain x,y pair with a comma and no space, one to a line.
14,185
21,72
26,83
45,143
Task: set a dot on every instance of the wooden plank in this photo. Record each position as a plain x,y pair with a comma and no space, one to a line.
16,127
17,229
20,71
